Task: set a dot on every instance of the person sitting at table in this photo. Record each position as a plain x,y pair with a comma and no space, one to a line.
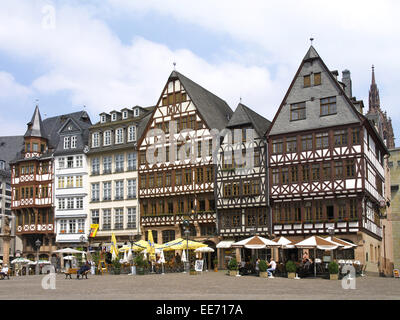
83,269
4,270
272,267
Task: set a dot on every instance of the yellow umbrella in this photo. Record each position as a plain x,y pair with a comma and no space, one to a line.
114,248
181,244
151,250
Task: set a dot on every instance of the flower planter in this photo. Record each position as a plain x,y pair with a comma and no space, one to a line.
140,271
334,276
291,275
117,271
233,273
193,273
215,269
263,274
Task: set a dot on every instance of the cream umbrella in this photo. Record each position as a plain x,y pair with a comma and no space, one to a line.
255,242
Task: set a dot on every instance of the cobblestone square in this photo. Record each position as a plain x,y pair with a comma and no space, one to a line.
207,286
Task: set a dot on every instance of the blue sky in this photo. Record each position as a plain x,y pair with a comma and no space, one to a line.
116,53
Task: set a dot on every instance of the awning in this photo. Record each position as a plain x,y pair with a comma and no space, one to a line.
224,244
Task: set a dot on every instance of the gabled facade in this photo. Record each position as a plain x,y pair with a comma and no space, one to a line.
32,180
179,185
242,194
71,180
112,174
326,163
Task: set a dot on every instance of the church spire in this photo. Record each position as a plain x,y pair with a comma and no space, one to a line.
374,101
35,126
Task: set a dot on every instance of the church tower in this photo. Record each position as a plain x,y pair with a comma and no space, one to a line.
382,123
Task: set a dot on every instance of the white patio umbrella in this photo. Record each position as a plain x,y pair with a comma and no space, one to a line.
316,242
20,260
342,243
255,242
40,262
1,261
130,255
69,250
204,249
183,256
69,257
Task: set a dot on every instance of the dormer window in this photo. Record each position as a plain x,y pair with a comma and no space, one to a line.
125,114
2,165
119,135
113,116
67,142
107,138
73,142
103,118
136,112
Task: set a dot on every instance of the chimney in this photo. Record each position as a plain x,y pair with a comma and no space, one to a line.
335,73
346,79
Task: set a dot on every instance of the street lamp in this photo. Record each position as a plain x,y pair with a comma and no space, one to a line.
186,225
331,231
38,243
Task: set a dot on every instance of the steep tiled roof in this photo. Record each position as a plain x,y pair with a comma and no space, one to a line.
213,109
9,147
244,115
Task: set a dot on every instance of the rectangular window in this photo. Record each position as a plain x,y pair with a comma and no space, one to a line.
95,140
306,142
338,169
131,133
277,146
119,219
178,178
322,140
70,203
318,211
294,174
107,160
70,162
350,168
353,209
78,181
63,226
306,173
142,157
328,106
70,182
119,190
199,175
307,81
341,210
79,161
275,176
160,179
188,176
119,163
119,136
73,142
72,226
95,216
131,218
132,161
291,144
61,204
67,142
131,188
95,191
151,181
168,179
61,184
107,138
79,203
317,79
340,138
107,190
315,172
356,136
308,213
285,175
95,166
61,163
327,171
106,219
297,111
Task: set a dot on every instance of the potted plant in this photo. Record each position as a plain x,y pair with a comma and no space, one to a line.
333,268
262,266
193,271
215,265
233,267
140,263
116,265
291,269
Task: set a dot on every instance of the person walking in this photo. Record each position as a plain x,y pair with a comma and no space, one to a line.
272,267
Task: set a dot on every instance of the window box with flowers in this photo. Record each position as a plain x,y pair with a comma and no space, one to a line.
62,231
80,231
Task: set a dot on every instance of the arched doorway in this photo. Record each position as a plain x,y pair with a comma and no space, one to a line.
210,256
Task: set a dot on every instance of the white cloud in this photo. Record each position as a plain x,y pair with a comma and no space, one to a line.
82,55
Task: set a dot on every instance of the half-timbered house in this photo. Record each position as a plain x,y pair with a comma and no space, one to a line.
179,183
326,162
242,193
32,181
